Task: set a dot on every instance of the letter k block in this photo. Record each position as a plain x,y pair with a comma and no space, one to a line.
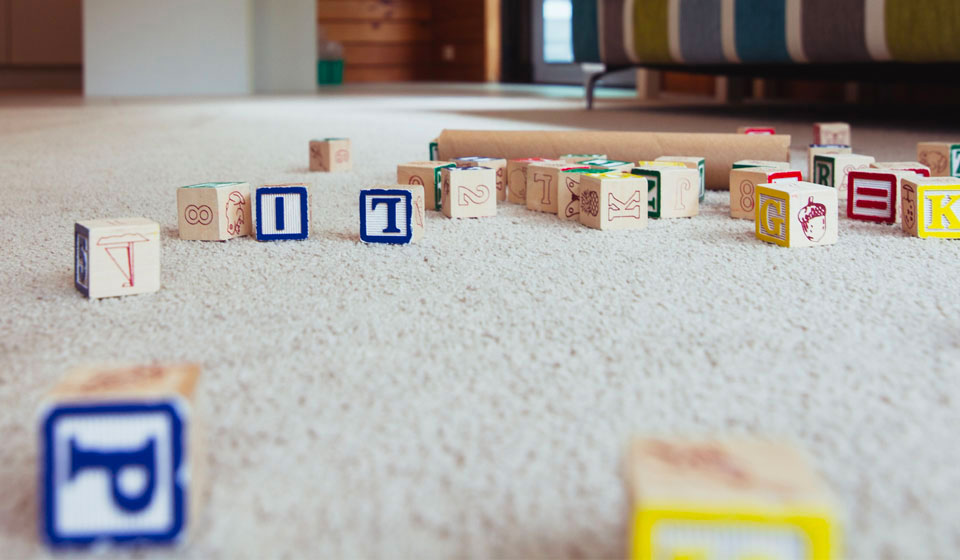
393,214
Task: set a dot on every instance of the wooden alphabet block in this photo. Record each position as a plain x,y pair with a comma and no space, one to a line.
120,456
756,130
392,214
943,158
673,191
607,164
497,164
931,206
574,158
331,154
517,178
469,192
697,163
613,201
214,211
748,163
834,170
732,499
832,133
427,174
282,212
796,214
911,166
434,150
818,150
116,257
743,187
873,195
543,180
568,193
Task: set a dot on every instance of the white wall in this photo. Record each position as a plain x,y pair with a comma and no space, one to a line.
284,46
167,47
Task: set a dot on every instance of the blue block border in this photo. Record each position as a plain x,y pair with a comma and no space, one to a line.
304,219
47,511
394,239
78,229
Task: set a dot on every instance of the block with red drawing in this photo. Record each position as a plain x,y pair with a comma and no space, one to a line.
610,201
331,154
116,257
796,214
469,192
427,174
214,211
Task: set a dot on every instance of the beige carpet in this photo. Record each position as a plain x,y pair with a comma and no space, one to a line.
470,396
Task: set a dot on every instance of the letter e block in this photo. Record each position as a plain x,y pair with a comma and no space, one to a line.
214,211
796,214
392,214
613,201
426,173
731,498
120,456
931,206
943,158
469,192
743,187
873,195
331,154
116,257
282,212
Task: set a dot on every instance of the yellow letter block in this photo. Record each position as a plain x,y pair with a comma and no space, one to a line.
740,499
931,206
796,214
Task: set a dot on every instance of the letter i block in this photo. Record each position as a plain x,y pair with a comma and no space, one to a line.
872,195
426,173
743,187
331,154
392,214
542,181
911,166
214,211
931,206
469,192
736,499
568,192
943,158
498,164
834,170
282,212
613,201
674,191
796,214
697,163
120,456
832,133
116,257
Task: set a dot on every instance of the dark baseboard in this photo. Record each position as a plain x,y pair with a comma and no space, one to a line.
66,78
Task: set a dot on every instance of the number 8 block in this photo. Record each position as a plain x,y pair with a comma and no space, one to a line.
469,192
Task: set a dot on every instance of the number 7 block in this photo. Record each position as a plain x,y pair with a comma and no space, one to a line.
543,180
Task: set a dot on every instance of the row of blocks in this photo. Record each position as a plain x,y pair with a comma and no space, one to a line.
121,461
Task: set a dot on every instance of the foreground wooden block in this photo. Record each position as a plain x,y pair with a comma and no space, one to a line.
817,150
911,166
392,214
120,456
834,170
573,158
832,133
214,211
611,201
733,499
931,206
697,163
605,164
748,163
873,195
517,178
757,130
282,212
469,192
796,214
943,158
673,191
568,192
743,187
497,164
426,174
543,180
116,257
331,154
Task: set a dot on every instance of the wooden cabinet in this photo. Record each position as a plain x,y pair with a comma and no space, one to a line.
4,32
43,32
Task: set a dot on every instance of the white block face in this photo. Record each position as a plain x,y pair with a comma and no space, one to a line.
387,216
773,220
116,257
114,470
728,541
941,211
873,197
273,223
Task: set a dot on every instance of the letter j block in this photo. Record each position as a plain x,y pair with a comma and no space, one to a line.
119,456
394,214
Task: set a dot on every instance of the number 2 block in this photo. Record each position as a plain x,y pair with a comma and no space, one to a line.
116,257
393,214
119,456
469,192
282,212
674,191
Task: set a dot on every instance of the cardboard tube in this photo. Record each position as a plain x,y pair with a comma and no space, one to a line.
720,150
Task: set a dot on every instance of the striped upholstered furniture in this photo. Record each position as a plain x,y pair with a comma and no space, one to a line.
622,33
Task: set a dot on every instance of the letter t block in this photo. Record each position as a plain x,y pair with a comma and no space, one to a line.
392,214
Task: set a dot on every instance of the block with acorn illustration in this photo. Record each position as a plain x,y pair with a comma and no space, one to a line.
612,200
796,214
427,174
943,158
674,191
743,187
331,154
